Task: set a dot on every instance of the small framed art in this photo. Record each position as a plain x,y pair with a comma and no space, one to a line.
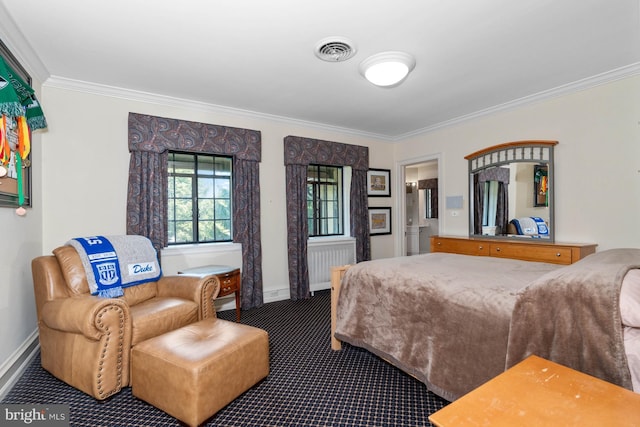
379,221
540,185
379,183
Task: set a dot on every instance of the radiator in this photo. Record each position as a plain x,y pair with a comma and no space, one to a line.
324,255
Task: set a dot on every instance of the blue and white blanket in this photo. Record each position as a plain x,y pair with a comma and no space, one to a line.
116,262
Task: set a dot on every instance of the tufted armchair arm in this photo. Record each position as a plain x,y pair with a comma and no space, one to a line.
203,291
87,315
84,340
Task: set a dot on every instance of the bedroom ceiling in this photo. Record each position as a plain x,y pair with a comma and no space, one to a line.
258,56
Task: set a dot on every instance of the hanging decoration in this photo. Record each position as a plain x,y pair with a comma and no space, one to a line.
21,114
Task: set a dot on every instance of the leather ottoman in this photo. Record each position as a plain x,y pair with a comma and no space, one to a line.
193,372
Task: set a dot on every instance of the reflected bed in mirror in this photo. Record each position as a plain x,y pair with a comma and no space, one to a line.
511,191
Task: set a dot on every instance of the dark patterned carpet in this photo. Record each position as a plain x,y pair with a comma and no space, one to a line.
309,384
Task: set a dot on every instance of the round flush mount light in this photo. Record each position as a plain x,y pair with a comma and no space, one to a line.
387,69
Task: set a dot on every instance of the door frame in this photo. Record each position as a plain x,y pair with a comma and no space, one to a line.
401,200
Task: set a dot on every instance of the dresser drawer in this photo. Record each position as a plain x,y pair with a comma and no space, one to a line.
229,283
458,246
525,249
540,253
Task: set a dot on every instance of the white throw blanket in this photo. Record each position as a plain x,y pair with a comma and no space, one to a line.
116,262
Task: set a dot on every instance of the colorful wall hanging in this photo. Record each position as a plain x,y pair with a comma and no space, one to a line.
20,115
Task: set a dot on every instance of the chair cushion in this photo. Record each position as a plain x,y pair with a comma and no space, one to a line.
135,295
159,315
72,270
76,277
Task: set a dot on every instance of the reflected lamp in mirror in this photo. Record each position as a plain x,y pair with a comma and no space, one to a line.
511,191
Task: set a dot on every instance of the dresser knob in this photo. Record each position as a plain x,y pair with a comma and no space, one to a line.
481,247
558,254
497,249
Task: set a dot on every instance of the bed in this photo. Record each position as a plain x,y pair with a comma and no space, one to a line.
456,321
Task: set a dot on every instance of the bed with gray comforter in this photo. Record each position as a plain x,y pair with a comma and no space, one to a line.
456,321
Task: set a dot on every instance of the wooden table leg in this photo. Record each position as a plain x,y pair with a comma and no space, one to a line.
238,301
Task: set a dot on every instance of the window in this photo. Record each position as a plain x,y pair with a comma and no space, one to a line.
324,200
199,199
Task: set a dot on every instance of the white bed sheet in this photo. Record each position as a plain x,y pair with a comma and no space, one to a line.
632,350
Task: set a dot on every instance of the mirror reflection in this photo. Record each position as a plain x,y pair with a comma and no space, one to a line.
510,189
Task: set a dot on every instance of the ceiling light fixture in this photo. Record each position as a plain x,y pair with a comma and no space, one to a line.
387,69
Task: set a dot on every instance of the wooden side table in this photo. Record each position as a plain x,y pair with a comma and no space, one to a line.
230,280
538,392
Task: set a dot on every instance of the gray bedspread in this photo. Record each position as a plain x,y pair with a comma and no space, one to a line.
443,318
456,321
572,317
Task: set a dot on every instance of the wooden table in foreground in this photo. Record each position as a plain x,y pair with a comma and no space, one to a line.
537,392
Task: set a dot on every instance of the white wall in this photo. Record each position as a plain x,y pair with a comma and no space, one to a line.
81,163
597,160
21,242
87,160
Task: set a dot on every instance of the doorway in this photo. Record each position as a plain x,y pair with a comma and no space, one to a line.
420,186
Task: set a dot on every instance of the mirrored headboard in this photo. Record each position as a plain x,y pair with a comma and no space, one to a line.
511,191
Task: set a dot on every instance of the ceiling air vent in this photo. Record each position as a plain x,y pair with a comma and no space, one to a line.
335,49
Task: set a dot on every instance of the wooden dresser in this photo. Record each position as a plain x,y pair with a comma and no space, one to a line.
527,250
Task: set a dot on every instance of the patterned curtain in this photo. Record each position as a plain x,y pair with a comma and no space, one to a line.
246,226
501,175
432,184
502,208
478,203
298,154
360,215
297,230
147,196
149,140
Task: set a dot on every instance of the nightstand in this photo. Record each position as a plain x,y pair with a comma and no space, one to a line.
229,277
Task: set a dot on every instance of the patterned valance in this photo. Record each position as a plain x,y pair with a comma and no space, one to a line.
494,174
428,183
158,134
305,151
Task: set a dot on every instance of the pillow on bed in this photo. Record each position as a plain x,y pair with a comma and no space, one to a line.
630,299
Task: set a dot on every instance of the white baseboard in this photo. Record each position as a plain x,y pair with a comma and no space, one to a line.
228,302
272,295
13,368
319,287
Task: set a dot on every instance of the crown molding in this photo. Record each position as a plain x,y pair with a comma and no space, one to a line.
152,98
140,96
586,83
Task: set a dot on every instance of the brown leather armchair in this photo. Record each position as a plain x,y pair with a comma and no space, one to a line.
86,341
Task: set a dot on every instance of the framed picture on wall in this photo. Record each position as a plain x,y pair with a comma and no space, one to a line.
379,183
379,221
9,180
540,185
